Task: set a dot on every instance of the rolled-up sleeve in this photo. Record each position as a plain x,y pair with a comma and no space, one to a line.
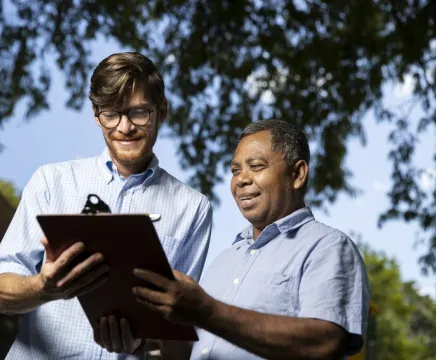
20,250
335,287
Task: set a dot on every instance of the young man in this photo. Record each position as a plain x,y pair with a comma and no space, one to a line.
290,287
129,104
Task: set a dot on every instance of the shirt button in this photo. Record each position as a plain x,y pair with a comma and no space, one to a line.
252,252
236,281
204,351
124,193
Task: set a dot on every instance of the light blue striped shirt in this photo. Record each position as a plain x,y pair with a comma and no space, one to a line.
297,267
59,329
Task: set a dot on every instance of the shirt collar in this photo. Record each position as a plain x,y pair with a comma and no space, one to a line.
291,222
110,169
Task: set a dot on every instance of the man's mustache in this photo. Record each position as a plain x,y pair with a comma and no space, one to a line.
125,138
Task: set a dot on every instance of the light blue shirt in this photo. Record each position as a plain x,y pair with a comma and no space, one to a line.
59,329
297,267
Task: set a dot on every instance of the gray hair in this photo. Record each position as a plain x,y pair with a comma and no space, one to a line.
287,139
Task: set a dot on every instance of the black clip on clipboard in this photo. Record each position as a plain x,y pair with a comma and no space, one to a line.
95,205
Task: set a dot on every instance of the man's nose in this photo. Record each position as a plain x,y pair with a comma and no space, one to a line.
243,178
125,126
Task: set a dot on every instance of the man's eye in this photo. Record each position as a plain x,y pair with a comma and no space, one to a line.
139,113
256,166
109,114
234,170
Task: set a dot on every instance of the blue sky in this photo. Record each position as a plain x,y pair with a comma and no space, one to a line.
60,134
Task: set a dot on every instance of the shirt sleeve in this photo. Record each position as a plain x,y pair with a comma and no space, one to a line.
21,251
194,251
335,287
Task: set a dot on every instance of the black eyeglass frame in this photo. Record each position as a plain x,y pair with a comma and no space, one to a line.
125,112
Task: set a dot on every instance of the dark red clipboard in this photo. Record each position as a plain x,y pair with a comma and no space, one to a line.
127,241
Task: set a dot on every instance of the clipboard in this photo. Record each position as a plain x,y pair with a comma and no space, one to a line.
127,241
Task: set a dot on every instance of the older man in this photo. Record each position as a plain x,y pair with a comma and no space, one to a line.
289,287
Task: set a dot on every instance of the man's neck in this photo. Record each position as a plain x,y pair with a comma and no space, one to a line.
257,230
125,170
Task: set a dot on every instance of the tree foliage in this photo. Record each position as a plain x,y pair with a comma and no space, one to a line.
8,324
321,64
8,191
406,320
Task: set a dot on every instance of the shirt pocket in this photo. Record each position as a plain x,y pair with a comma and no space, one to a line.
171,247
268,292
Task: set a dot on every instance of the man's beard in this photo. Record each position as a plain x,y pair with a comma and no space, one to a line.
129,157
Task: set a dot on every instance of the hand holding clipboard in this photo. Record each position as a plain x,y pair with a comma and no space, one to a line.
127,241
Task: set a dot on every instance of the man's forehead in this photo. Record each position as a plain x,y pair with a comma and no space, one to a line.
258,142
137,95
253,149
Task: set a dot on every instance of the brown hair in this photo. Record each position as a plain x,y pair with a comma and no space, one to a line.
121,72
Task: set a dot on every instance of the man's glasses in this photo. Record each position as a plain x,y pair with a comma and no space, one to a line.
110,119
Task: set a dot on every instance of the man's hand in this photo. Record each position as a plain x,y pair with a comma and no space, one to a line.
180,301
115,336
59,281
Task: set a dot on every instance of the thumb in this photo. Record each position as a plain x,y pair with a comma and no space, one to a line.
177,274
49,252
180,276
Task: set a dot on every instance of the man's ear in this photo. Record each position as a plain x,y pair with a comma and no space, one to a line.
162,111
301,171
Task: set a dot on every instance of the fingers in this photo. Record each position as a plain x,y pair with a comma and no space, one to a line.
152,299
149,305
163,309
105,340
115,336
50,256
44,242
179,276
152,278
150,296
67,257
126,335
81,268
81,289
114,332
129,342
96,329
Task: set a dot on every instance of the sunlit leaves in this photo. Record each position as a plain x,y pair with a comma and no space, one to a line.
320,64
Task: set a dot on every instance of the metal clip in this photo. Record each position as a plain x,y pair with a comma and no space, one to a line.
95,205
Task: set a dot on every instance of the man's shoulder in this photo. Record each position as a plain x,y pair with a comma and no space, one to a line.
176,186
326,232
323,237
83,165
55,171
70,164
